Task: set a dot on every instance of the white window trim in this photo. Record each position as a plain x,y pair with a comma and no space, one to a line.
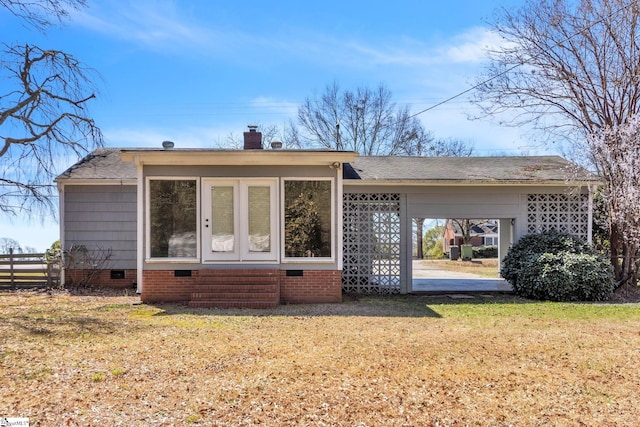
147,219
307,260
494,239
241,251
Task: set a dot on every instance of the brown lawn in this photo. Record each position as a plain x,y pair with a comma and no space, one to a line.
414,361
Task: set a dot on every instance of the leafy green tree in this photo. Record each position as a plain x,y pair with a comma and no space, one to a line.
432,242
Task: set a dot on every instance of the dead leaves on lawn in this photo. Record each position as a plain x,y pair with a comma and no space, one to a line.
83,361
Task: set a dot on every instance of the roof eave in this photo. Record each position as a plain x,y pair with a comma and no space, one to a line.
445,183
239,158
95,181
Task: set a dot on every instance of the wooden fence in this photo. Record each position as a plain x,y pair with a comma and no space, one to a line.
22,271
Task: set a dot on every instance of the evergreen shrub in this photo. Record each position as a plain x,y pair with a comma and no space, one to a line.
490,251
558,267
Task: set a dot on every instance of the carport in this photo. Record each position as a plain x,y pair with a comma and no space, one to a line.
383,194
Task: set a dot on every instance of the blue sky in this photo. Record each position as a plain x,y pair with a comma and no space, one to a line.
195,72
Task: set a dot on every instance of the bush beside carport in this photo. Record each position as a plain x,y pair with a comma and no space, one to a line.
558,267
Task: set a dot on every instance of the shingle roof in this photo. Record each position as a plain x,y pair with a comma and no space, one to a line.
524,169
101,164
106,164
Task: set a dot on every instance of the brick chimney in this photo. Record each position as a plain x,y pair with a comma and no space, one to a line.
253,139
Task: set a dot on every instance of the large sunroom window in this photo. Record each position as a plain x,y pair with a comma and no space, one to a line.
172,218
308,213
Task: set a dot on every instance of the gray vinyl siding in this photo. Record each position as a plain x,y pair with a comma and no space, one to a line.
102,216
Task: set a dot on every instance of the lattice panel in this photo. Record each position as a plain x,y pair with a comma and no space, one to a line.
567,213
371,243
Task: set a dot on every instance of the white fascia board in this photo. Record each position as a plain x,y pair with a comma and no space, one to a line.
357,183
240,158
97,181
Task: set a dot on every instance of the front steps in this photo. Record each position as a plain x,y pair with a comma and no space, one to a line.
236,289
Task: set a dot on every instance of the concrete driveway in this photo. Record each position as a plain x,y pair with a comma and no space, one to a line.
428,278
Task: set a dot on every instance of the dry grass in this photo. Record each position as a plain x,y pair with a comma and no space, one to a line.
416,361
481,267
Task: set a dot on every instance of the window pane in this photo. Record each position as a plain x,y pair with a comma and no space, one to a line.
307,218
259,217
222,221
172,216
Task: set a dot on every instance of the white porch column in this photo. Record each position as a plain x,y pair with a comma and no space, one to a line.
338,232
139,225
505,237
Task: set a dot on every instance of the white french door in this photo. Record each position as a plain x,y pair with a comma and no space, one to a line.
239,220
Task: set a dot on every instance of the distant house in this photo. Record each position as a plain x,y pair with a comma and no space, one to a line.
257,227
482,233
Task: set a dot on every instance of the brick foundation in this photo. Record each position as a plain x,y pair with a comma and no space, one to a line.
314,286
101,278
163,286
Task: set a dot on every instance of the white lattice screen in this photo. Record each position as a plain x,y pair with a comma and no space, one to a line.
371,243
567,213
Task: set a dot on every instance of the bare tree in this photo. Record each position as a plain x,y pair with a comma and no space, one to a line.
446,148
465,229
571,68
43,111
42,14
270,133
368,121
362,120
7,244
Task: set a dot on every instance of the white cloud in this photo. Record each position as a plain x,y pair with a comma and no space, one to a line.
162,25
151,23
467,47
470,46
